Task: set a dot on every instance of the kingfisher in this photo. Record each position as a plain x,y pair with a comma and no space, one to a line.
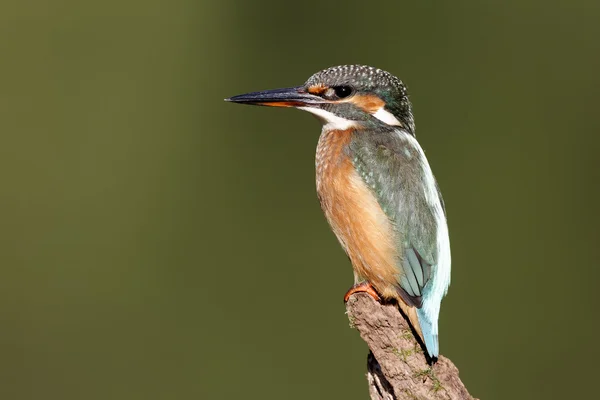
376,188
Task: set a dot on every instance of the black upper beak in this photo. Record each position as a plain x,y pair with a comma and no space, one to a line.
288,97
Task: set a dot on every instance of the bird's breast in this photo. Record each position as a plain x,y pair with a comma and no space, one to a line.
354,214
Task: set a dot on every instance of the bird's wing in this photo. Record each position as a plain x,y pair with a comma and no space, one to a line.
395,169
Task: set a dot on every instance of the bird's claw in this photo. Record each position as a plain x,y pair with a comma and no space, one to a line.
364,287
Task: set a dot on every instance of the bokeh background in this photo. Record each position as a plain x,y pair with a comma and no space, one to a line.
159,243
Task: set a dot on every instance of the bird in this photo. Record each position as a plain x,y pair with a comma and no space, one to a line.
376,188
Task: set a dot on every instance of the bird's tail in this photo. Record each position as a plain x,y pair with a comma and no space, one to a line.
429,332
425,326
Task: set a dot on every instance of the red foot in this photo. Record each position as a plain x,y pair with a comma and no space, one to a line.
365,287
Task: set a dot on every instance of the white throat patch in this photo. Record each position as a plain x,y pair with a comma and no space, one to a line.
330,120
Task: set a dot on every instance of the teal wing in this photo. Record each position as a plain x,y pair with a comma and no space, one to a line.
395,169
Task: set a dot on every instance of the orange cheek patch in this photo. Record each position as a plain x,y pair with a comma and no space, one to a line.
317,90
368,102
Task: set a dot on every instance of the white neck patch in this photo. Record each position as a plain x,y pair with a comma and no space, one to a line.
387,117
330,120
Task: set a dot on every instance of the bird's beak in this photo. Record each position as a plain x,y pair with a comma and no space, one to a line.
288,97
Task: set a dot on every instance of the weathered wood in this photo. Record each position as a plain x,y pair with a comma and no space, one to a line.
397,368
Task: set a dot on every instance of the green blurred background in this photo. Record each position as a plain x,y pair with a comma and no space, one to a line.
159,243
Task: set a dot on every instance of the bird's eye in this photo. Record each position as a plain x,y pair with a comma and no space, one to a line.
342,91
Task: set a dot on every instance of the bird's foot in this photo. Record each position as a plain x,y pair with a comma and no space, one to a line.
364,287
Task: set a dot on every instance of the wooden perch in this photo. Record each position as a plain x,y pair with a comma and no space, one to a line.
397,368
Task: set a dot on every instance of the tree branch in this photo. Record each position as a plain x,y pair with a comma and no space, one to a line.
397,368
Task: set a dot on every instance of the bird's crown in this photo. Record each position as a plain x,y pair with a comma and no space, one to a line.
360,78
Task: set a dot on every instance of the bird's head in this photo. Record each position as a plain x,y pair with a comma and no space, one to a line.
343,97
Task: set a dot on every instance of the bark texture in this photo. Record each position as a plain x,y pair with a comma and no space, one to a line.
397,368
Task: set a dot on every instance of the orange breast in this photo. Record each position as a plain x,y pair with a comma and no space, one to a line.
355,216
